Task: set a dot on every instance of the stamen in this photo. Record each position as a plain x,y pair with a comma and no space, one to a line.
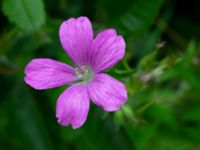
84,73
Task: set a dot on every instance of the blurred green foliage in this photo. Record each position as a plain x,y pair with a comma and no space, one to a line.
161,71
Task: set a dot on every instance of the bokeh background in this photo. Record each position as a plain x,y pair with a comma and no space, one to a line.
161,71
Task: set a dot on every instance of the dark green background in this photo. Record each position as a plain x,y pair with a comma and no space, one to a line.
161,70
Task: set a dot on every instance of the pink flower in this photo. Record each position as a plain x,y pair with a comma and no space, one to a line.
91,56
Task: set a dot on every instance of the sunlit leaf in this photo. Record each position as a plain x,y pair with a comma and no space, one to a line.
29,15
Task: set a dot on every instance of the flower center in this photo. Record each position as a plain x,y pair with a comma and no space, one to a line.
84,73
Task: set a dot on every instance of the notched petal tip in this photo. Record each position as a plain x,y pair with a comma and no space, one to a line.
63,121
44,73
74,21
73,106
107,92
109,32
76,35
107,49
83,18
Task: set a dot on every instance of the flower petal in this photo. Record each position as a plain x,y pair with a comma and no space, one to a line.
44,73
76,36
73,106
107,49
107,92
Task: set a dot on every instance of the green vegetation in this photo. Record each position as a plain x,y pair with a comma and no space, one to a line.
161,70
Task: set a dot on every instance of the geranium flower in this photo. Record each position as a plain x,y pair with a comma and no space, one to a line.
91,56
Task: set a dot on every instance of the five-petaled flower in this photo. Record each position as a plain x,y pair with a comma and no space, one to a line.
90,56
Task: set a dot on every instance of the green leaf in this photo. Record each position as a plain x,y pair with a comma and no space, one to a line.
192,114
26,120
192,132
140,135
141,15
161,113
148,62
94,134
168,142
29,15
134,84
